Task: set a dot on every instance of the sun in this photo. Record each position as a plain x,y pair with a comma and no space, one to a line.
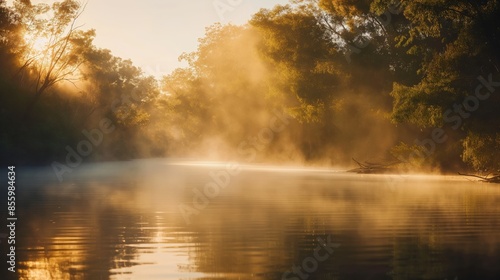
40,44
36,49
36,45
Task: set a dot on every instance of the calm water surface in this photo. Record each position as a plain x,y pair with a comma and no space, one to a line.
151,220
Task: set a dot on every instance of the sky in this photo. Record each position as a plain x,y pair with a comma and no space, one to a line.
154,33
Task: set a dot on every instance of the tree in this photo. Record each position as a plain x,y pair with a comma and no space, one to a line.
205,99
458,44
9,38
48,55
308,68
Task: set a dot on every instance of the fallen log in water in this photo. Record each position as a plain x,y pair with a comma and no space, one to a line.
487,179
374,168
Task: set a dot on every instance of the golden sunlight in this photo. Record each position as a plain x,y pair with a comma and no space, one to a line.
36,45
36,50
263,139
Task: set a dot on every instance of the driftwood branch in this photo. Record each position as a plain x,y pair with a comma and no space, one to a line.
374,167
487,179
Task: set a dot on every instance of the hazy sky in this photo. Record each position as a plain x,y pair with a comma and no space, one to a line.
153,33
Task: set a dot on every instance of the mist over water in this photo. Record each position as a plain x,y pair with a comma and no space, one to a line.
240,164
123,221
238,102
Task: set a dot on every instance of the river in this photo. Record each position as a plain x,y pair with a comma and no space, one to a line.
179,219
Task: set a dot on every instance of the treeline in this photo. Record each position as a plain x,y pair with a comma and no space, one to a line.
317,81
55,84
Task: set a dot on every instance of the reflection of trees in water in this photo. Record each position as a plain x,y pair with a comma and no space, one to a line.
90,231
411,234
451,245
255,238
415,258
73,232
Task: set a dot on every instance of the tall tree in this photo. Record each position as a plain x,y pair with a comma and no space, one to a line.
458,42
48,55
309,69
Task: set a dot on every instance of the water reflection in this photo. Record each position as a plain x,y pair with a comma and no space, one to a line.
125,224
